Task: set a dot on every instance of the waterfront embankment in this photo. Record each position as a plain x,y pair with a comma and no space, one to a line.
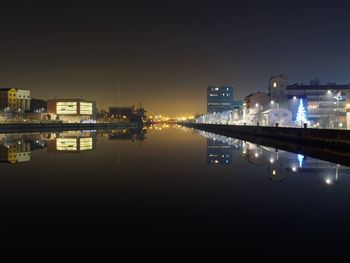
57,127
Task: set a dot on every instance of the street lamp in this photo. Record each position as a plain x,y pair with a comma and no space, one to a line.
338,97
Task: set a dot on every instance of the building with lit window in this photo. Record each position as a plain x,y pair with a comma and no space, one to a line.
71,110
14,100
325,104
221,99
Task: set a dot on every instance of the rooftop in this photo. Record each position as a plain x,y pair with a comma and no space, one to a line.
329,86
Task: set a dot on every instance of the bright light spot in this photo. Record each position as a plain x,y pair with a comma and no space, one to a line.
275,85
256,155
294,98
329,91
272,160
274,172
328,181
272,102
294,169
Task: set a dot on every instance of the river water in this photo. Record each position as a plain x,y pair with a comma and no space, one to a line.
169,188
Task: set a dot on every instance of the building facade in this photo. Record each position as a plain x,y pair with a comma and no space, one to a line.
220,99
325,104
277,88
71,110
15,100
128,113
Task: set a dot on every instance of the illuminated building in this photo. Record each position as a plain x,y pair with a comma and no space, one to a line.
253,106
325,103
71,110
220,99
14,100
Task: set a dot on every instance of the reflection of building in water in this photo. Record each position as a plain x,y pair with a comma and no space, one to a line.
281,164
219,152
15,151
72,142
220,148
130,135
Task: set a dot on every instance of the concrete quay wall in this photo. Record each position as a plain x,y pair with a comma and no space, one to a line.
307,136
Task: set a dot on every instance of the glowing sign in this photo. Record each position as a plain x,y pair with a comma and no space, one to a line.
66,144
66,107
86,108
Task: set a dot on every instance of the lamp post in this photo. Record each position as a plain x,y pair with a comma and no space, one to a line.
338,97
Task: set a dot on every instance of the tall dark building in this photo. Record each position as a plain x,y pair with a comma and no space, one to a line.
220,99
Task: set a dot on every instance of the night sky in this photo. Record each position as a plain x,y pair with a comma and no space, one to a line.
165,54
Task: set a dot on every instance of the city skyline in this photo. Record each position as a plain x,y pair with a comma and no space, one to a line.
165,55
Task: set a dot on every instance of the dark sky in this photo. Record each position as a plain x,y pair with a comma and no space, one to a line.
164,54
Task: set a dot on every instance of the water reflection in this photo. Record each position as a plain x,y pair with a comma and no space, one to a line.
279,164
17,148
220,149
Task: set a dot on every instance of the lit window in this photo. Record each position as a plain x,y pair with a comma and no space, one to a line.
86,108
66,107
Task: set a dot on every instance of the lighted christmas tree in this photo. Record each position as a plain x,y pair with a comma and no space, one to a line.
301,114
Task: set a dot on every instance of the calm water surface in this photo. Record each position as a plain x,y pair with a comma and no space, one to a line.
169,188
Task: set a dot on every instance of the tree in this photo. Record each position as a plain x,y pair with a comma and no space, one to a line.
301,114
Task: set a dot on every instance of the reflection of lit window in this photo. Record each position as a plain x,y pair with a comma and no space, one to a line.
85,144
66,144
66,107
